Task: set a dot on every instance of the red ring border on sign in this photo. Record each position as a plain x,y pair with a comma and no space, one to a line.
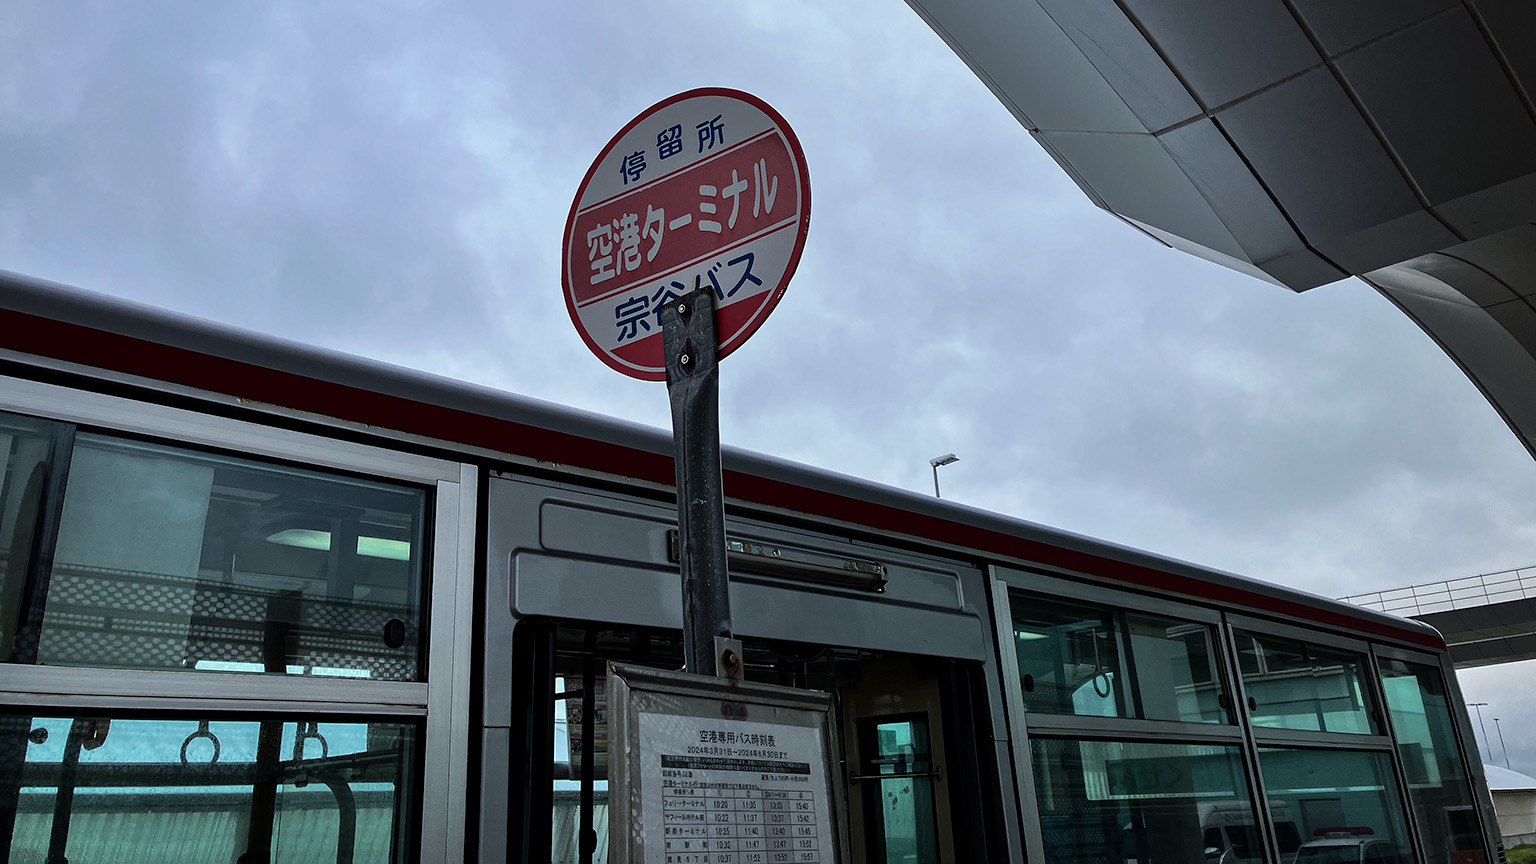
802,179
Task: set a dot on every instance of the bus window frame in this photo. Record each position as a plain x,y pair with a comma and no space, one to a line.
1056,588
409,806
443,699
1023,725
1372,691
1369,691
1471,760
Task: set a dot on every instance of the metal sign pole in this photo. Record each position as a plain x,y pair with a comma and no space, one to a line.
693,383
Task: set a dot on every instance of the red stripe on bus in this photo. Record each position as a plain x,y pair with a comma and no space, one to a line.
776,493
88,346
103,349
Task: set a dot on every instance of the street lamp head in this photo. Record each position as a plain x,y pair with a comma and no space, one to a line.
936,462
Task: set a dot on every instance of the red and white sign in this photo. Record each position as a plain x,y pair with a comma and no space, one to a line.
707,189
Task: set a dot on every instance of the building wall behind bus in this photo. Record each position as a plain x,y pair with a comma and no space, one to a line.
1517,815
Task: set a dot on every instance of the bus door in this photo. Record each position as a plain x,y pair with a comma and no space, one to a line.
577,579
893,740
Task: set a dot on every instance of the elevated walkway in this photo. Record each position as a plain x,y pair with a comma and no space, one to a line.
1485,619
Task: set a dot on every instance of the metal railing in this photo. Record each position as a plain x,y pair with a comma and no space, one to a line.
1481,590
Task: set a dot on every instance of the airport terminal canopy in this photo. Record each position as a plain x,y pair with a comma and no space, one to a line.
1302,142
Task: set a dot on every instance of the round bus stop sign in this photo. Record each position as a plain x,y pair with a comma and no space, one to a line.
705,190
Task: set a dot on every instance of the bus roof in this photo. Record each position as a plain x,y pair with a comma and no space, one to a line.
48,325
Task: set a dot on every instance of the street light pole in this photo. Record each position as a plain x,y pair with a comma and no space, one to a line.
1501,742
936,462
1479,707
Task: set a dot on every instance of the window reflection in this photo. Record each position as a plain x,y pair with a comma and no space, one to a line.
1295,685
25,445
1175,675
1343,804
570,749
1437,777
195,791
901,818
1069,658
1113,801
1088,660
169,558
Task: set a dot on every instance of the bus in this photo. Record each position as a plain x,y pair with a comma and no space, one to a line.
262,602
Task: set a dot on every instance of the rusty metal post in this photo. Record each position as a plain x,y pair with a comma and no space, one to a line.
693,383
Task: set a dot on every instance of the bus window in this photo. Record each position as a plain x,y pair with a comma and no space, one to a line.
26,444
1069,658
1437,777
1345,801
1247,655
1109,802
1085,660
1296,685
169,558
1174,673
184,790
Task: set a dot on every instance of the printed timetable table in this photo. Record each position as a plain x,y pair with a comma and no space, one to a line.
716,791
739,823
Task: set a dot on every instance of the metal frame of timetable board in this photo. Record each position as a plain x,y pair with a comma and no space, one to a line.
724,704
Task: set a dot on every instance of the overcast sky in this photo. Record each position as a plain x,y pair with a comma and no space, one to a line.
392,180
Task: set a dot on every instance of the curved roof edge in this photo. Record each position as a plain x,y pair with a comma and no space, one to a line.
1477,301
1300,143
1297,142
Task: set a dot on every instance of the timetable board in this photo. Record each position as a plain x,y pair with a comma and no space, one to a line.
732,773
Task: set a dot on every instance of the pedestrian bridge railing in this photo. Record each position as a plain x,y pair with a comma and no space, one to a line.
1468,591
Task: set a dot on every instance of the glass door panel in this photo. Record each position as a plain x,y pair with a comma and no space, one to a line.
897,774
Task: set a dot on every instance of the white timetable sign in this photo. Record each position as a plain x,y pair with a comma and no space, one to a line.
730,773
733,793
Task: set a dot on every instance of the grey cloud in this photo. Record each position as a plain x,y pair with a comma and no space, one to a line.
392,180
1510,692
